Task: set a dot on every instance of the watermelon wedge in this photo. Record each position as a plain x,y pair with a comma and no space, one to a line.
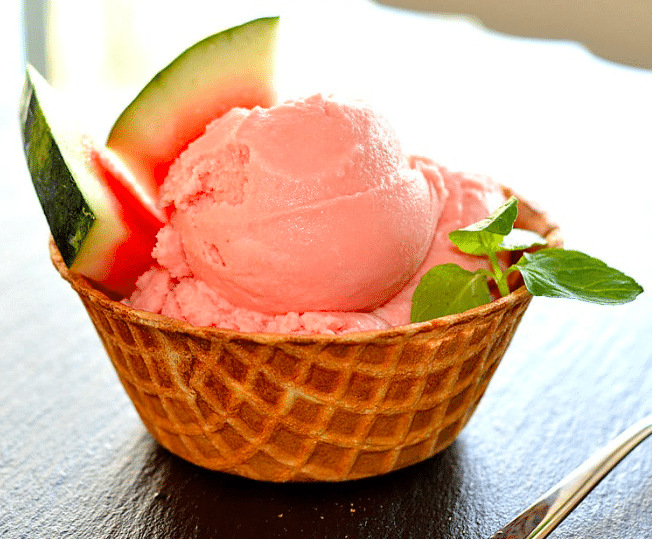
234,68
103,224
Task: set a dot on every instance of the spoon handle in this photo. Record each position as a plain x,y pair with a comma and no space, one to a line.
537,521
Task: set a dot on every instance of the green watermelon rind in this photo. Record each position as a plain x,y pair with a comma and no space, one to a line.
189,90
68,215
80,211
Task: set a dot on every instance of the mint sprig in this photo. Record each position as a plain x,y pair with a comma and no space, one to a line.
552,272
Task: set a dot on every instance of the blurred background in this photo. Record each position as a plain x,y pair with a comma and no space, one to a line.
117,45
618,30
61,34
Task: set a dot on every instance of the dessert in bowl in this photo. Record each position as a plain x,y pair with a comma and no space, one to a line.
252,268
280,407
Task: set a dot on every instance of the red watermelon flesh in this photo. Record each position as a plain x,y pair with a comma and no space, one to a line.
102,224
234,68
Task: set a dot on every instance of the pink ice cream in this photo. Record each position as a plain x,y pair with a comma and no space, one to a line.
304,218
471,198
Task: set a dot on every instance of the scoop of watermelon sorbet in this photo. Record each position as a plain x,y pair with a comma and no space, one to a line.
306,206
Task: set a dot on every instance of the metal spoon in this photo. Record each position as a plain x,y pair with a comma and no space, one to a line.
540,519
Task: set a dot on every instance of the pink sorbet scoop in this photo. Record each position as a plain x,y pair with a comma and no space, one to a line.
306,206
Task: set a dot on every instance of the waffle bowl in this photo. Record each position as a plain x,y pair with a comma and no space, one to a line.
281,408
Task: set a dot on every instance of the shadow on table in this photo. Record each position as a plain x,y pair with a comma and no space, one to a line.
169,497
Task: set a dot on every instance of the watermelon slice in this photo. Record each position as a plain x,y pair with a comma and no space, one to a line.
103,225
233,68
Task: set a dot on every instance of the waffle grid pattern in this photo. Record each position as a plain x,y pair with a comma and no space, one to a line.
280,408
303,410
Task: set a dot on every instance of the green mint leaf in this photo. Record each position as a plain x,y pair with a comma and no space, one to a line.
478,242
519,239
560,273
485,236
448,289
501,221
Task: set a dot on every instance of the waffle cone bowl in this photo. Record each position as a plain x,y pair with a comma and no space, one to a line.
307,408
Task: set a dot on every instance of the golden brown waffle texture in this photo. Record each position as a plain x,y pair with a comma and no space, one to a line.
306,408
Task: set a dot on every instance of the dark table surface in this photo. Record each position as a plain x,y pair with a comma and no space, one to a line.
75,460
